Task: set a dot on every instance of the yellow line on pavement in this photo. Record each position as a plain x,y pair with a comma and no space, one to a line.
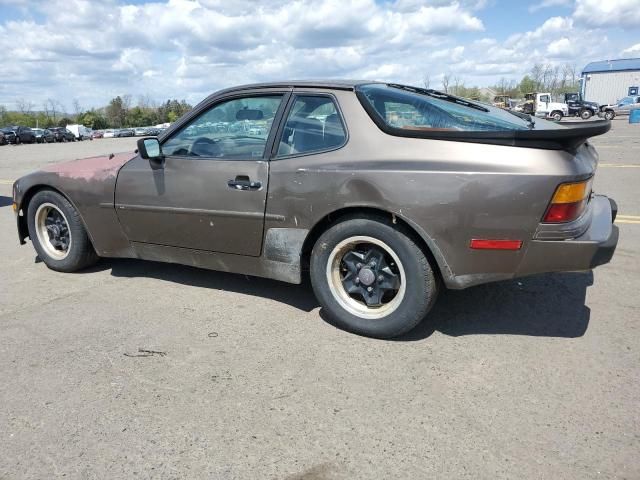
627,221
6,182
629,217
619,165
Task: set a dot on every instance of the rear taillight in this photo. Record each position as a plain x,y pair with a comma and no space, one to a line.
568,202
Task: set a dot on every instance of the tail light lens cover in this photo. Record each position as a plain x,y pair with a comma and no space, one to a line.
568,202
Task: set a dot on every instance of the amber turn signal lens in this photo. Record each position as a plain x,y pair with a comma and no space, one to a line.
571,192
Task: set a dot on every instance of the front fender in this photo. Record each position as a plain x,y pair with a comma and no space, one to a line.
89,186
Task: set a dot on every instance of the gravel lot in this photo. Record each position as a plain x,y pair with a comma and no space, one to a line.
536,378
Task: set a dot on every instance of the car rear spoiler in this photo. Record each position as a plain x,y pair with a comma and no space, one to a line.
568,137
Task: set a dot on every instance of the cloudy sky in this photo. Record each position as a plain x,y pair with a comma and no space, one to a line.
93,50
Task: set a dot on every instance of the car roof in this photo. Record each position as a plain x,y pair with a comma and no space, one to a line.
340,84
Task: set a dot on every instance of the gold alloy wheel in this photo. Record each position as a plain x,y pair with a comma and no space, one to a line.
366,277
52,229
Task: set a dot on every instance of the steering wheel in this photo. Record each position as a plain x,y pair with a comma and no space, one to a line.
205,147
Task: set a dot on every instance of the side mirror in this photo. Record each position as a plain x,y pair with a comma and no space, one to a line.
149,149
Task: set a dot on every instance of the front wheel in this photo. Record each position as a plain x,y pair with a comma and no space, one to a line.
372,278
57,233
609,115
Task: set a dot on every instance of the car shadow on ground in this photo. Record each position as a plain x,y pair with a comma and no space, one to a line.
298,296
550,305
5,201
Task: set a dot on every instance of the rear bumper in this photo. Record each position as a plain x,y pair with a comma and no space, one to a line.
593,248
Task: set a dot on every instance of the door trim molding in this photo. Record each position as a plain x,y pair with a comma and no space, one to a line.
199,211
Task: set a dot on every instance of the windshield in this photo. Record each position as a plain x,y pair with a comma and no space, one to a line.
411,108
626,100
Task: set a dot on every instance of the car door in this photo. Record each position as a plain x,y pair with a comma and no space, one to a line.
544,104
210,192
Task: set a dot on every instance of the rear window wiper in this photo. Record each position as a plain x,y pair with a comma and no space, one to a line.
442,96
524,116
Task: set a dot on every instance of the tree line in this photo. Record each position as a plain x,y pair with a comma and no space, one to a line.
118,113
555,79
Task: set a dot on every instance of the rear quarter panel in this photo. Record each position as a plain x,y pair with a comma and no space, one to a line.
449,192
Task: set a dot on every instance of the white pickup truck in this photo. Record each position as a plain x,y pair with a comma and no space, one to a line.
540,105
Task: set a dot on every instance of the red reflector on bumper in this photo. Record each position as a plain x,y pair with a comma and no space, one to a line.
480,244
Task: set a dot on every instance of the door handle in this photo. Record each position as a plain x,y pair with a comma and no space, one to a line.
242,182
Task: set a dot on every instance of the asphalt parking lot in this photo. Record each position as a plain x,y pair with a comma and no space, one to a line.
534,378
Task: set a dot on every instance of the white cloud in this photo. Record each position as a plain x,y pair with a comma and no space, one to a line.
561,48
189,48
608,13
632,51
549,3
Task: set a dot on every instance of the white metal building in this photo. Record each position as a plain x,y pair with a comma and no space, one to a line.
607,81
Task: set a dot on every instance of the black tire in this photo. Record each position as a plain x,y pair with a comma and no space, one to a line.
609,115
556,116
17,140
421,284
586,114
80,253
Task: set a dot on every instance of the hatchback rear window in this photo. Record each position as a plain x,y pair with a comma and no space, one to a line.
409,108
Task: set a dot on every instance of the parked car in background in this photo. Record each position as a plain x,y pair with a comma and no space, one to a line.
153,132
80,132
125,132
385,193
61,134
8,135
109,133
44,135
97,134
3,140
141,131
19,134
621,108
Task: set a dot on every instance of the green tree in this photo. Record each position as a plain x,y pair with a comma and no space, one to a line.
527,85
172,116
116,112
93,119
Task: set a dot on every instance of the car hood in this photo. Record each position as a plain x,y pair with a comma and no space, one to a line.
92,168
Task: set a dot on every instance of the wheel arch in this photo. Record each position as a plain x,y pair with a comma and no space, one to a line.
426,243
23,228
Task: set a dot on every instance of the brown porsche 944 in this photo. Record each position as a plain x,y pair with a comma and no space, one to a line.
386,193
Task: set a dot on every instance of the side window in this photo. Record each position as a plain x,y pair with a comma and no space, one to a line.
235,129
313,125
544,98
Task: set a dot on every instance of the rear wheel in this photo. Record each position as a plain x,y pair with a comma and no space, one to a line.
372,278
57,233
586,114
